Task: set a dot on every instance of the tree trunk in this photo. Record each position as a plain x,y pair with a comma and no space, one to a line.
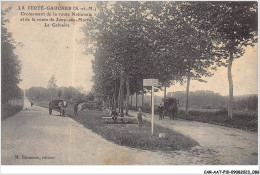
122,95
107,101
118,99
230,81
136,101
187,93
142,99
114,97
112,101
165,91
131,100
6,99
127,95
104,104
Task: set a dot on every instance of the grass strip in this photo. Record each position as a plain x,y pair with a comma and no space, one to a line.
127,133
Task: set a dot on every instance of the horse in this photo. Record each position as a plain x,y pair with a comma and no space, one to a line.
171,107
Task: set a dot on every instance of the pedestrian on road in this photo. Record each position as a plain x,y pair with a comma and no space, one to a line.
161,111
114,114
31,104
61,105
50,108
76,109
140,119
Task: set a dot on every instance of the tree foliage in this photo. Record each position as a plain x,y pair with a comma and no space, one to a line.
70,94
169,41
10,64
52,83
234,25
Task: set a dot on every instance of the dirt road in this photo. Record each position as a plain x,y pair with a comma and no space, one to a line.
33,137
230,146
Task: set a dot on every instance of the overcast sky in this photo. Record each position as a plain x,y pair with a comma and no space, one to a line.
56,51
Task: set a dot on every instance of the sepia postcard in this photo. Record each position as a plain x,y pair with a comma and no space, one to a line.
130,83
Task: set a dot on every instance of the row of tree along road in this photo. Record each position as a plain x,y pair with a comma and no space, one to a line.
11,94
199,100
170,41
73,95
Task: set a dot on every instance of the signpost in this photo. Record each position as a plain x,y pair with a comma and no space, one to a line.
151,82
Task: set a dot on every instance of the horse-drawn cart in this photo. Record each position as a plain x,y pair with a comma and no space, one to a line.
171,106
58,105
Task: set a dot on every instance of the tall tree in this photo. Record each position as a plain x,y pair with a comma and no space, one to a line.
10,64
169,41
197,54
59,93
185,49
52,86
118,43
234,25
52,83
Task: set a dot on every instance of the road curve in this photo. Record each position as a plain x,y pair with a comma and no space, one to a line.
33,137
231,146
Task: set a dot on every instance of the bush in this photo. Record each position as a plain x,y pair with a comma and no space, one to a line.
91,106
242,120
